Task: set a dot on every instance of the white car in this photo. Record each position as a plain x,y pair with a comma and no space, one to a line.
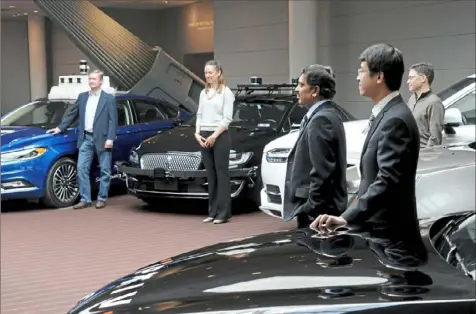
460,120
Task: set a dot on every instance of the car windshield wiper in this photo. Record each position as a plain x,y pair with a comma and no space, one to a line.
450,225
453,252
250,128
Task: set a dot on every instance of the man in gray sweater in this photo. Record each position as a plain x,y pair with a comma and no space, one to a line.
426,106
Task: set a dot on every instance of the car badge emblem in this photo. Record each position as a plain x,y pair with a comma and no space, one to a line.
169,160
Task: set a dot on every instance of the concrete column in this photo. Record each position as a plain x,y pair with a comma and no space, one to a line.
303,35
37,54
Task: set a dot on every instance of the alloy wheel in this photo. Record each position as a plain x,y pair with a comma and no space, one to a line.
65,185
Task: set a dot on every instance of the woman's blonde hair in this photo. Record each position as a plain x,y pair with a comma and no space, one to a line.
221,78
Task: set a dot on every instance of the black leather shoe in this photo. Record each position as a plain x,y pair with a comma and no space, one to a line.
82,205
100,204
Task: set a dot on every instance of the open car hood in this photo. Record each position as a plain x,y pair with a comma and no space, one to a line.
131,63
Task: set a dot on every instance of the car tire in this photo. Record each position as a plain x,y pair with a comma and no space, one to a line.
62,189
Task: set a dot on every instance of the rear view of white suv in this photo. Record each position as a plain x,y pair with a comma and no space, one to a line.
460,119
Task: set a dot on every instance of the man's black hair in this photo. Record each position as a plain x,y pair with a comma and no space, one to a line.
386,59
322,76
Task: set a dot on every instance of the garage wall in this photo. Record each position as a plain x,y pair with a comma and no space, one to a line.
251,38
440,32
15,67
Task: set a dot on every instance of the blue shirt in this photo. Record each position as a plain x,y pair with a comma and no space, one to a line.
314,107
310,111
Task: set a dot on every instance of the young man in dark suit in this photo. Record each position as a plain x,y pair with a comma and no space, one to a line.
316,170
390,152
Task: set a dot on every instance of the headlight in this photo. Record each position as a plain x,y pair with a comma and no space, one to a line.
24,154
278,155
239,158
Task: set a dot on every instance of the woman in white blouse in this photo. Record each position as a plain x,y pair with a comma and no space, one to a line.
215,112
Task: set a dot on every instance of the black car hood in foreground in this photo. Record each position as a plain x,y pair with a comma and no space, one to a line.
182,139
292,270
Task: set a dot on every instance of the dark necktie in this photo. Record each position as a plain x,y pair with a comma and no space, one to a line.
371,119
303,123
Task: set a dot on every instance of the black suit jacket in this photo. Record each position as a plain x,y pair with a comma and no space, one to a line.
316,169
388,168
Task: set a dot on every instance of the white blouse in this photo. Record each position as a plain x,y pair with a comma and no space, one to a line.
215,112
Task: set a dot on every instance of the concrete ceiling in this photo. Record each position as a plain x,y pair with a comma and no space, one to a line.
12,9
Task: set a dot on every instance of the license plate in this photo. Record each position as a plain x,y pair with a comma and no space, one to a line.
166,185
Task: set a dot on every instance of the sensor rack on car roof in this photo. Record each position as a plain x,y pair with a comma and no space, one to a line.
257,85
70,86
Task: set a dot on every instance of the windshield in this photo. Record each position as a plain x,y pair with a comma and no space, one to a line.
456,87
43,114
255,114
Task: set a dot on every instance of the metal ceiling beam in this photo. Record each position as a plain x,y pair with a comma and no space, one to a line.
118,52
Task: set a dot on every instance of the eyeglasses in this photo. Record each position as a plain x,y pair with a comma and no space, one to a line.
360,72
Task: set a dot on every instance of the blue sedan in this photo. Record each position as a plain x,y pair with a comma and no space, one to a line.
36,165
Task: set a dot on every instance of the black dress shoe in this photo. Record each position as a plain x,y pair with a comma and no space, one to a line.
82,205
100,204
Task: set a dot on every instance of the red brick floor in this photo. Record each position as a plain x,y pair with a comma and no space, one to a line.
52,258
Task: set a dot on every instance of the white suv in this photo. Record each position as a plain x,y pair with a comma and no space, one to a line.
460,120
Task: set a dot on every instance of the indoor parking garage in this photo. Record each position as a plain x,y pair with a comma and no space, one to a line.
164,157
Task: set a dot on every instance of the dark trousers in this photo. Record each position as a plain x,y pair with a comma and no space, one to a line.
216,160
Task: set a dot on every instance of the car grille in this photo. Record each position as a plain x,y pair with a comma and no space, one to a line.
171,161
274,194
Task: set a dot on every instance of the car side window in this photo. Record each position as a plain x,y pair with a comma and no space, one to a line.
123,113
467,106
296,115
147,111
169,111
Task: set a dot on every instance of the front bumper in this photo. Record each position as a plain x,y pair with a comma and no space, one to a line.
179,184
22,180
273,176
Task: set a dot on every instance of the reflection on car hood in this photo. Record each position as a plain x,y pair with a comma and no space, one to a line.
182,138
289,268
13,134
441,158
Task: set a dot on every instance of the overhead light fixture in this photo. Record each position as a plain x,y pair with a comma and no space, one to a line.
25,13
12,7
165,2
36,11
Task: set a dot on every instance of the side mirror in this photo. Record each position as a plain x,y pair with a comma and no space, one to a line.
453,117
177,122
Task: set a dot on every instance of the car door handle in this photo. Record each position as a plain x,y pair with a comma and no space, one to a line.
129,132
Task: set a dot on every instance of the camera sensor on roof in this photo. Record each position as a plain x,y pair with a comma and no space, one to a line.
256,80
83,67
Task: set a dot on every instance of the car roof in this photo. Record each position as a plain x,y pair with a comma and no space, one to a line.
264,97
118,94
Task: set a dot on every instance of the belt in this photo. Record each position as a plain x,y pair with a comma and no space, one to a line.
88,133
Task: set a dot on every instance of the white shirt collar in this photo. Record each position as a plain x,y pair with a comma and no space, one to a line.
383,102
95,94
